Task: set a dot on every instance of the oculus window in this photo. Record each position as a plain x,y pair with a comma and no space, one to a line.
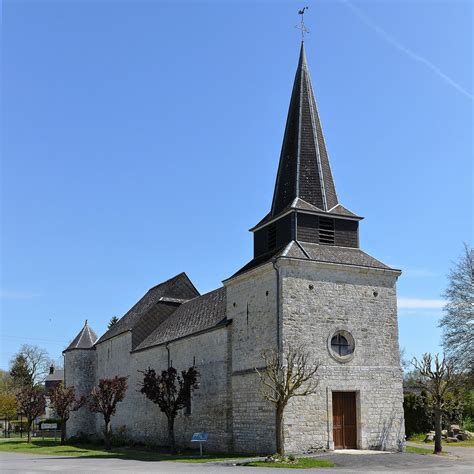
341,346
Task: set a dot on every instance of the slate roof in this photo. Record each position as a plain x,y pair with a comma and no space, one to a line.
300,204
57,375
84,340
304,171
343,211
199,314
316,253
260,260
344,255
147,313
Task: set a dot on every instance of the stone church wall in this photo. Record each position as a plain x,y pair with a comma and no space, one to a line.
318,300
141,420
252,306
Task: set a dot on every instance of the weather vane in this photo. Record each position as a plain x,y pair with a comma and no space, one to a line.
302,26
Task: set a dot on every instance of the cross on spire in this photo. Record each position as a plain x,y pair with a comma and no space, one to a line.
302,26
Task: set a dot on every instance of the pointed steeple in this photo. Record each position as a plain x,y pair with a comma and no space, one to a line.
304,171
305,207
84,340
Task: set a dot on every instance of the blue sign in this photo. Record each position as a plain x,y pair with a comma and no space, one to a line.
199,437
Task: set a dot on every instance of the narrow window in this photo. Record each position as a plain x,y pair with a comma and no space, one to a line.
326,231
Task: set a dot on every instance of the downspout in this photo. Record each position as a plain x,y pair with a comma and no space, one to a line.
278,312
169,357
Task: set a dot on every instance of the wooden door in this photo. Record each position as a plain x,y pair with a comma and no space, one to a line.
344,420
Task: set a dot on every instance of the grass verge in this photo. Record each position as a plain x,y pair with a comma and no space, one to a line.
51,447
302,463
416,450
420,438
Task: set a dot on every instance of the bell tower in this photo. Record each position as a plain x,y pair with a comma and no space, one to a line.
305,206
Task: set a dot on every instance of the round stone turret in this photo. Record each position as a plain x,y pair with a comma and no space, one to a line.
80,373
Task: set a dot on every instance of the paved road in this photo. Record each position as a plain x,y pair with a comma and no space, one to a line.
346,463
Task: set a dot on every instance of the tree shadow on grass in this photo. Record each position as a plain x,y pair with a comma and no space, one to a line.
54,450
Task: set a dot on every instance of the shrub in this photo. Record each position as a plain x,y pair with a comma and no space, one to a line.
467,423
417,414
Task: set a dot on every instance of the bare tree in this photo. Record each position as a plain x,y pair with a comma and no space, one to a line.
438,377
32,364
458,319
287,375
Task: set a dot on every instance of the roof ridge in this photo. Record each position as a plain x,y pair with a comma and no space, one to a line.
175,277
202,296
302,249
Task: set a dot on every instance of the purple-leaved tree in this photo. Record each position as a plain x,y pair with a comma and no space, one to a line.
31,403
171,392
104,399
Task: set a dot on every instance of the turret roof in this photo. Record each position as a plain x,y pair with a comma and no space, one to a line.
84,340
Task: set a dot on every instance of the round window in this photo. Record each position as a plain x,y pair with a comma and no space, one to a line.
341,346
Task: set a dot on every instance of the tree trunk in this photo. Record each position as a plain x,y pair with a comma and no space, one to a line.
171,439
438,428
63,431
107,433
280,444
29,431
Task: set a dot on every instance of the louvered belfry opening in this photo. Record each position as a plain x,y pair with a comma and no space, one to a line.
271,229
326,231
305,205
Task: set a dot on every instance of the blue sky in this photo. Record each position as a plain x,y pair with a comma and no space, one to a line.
141,139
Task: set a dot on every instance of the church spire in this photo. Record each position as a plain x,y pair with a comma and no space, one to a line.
304,171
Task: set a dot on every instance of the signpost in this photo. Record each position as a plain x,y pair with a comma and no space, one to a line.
200,438
49,426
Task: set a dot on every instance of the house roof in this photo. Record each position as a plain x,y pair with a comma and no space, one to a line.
171,292
57,375
196,315
84,340
304,171
316,253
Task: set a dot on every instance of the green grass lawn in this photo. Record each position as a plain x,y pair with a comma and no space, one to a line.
420,438
416,450
303,463
52,447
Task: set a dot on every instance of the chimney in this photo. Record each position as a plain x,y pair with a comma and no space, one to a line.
51,369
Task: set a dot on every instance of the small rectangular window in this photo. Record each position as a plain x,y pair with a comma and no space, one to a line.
326,231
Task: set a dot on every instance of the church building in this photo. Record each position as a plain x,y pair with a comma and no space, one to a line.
309,283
